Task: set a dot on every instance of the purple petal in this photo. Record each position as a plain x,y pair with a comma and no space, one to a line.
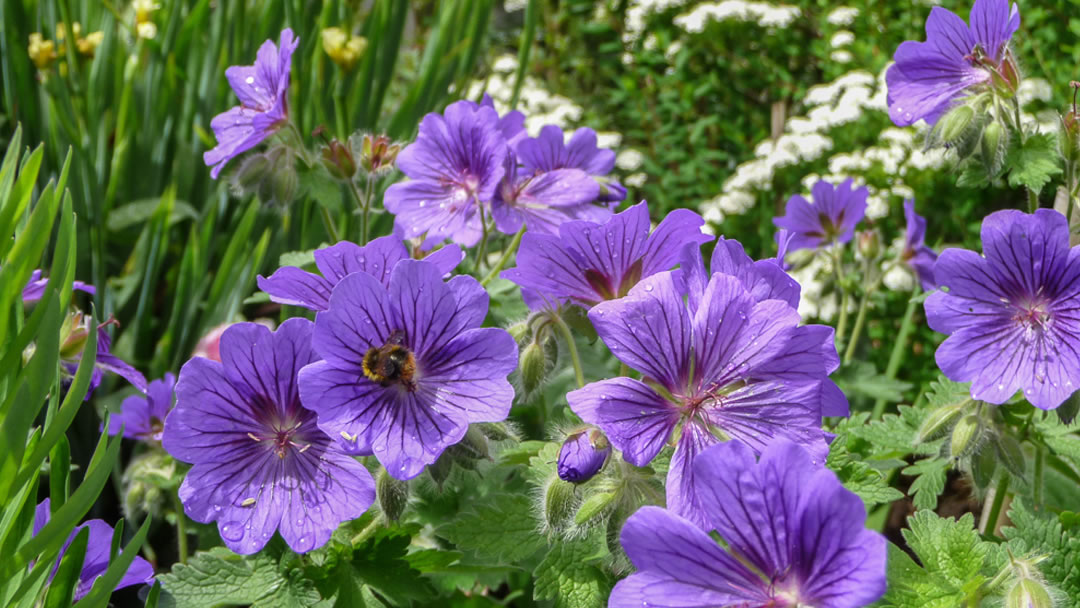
681,486
680,566
213,413
295,287
649,330
611,248
265,363
993,25
635,418
359,318
544,265
760,412
662,248
468,375
377,258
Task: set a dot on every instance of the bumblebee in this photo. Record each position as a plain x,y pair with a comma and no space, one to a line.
390,363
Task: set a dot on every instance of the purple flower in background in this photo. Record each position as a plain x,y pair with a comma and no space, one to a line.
454,167
144,417
75,330
590,262
407,367
795,537
263,89
550,152
544,201
916,254
291,285
582,455
260,462
1012,316
928,77
96,561
830,219
733,363
36,288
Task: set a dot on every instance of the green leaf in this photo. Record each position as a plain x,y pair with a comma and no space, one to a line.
1033,162
140,212
973,174
297,258
862,378
63,585
381,563
317,184
1039,534
567,577
930,475
954,563
869,483
502,528
219,577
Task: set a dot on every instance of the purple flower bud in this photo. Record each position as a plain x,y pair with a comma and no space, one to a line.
583,454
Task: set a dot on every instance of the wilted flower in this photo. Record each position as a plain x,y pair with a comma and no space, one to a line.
918,257
1010,316
344,49
549,152
144,417
296,287
377,153
582,455
73,333
96,561
590,262
830,219
794,536
262,89
407,366
725,358
260,462
928,77
454,167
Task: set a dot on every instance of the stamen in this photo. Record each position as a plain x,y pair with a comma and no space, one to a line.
247,502
252,435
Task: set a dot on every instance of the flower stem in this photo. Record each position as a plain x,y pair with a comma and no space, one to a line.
1040,466
841,325
989,523
571,346
181,529
363,201
860,320
482,249
366,532
899,350
1033,200
328,222
510,250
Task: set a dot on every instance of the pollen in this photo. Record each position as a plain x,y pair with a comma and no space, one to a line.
247,502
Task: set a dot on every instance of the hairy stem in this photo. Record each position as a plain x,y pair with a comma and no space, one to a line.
181,529
571,346
899,351
988,524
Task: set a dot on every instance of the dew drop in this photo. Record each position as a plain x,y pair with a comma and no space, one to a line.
648,287
249,79
232,531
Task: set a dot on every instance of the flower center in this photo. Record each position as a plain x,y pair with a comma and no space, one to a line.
391,363
1033,316
280,438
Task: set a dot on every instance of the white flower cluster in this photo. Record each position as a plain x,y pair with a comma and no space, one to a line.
540,106
762,13
842,16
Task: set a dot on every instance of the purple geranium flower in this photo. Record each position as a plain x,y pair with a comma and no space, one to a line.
916,254
928,77
407,367
263,89
144,417
731,362
544,200
291,285
454,167
260,462
549,152
830,219
35,288
794,537
511,124
582,455
1011,316
590,262
96,561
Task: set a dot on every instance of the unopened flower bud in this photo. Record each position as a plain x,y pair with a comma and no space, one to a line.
377,153
869,244
1028,593
582,455
145,482
938,421
593,507
472,447
533,365
393,495
338,160
955,122
74,331
993,142
1009,82
498,431
1066,413
560,498
983,464
964,436
520,331
1011,455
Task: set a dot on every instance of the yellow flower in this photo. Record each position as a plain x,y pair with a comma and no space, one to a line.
88,45
144,10
146,30
42,52
343,49
61,31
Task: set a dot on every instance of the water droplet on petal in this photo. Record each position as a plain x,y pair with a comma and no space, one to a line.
232,531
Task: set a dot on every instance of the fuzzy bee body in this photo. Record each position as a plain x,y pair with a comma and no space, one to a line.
390,363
